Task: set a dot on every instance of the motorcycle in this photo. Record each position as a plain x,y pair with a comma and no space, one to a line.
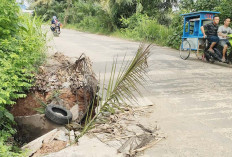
56,29
217,55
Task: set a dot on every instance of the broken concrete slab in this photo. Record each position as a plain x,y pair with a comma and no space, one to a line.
53,141
61,136
35,145
88,147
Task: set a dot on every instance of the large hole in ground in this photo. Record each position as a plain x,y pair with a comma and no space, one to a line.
32,125
61,79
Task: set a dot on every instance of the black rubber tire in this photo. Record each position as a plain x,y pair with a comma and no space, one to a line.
56,34
208,57
58,114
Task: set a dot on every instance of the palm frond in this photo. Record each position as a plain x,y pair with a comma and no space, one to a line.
134,74
125,86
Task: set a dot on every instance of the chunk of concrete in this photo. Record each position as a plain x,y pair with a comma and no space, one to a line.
87,147
35,145
61,136
75,112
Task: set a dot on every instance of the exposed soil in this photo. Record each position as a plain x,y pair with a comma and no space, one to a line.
53,146
26,106
62,82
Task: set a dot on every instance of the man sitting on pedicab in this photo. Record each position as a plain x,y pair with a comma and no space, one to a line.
212,33
223,32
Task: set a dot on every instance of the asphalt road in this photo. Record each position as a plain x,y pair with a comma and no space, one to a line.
193,102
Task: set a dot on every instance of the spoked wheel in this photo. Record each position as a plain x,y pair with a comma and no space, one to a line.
185,49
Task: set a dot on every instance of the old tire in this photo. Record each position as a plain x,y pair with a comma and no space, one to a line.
58,114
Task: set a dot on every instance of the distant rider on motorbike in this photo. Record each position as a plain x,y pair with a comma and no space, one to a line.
54,22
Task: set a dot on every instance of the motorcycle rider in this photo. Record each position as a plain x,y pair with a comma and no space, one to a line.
54,22
223,31
212,34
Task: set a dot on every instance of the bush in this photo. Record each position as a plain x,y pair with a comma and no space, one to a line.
91,17
22,47
174,39
7,151
142,27
49,9
9,21
18,56
225,9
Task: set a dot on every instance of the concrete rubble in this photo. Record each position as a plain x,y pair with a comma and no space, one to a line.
53,141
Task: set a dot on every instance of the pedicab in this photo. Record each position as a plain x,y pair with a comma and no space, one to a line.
192,38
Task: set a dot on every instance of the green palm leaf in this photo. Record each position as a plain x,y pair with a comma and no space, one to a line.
125,86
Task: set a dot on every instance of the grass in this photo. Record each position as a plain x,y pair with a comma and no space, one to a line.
148,31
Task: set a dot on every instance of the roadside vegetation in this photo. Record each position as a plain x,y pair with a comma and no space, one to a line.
22,47
156,21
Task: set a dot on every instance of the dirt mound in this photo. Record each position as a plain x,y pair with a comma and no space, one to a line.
27,106
60,81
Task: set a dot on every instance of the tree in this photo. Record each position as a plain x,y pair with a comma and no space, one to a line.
225,9
199,5
67,11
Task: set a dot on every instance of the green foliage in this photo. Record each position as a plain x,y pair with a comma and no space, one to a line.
208,5
225,9
151,20
41,109
187,5
22,46
6,120
91,17
19,55
8,18
112,10
51,8
7,150
174,38
199,5
140,26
